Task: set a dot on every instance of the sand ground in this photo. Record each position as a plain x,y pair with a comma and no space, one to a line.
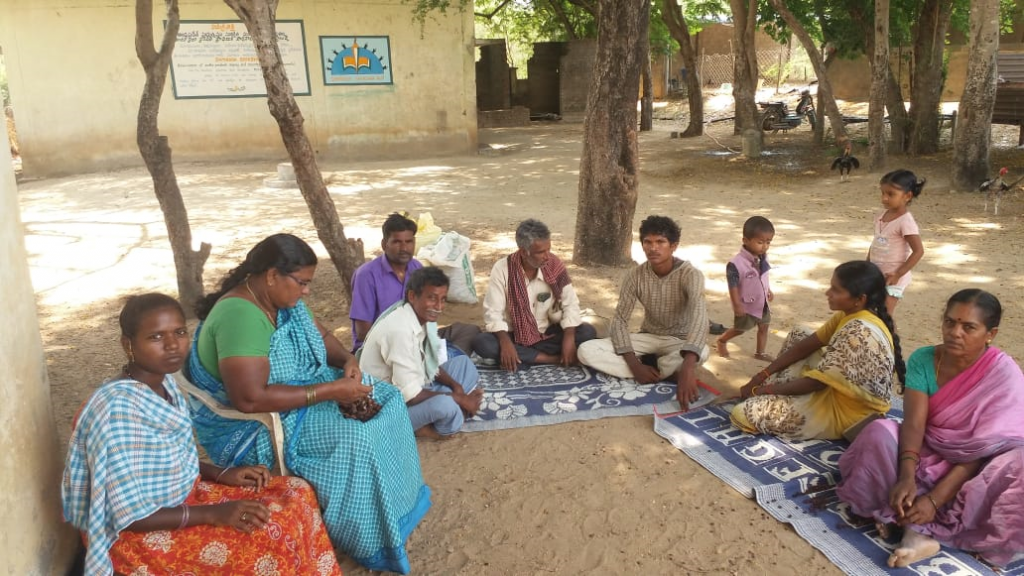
606,496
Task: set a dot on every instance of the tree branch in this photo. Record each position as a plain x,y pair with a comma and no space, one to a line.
493,12
587,5
144,48
171,32
570,30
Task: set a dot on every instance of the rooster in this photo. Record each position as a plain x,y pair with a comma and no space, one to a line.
845,163
994,188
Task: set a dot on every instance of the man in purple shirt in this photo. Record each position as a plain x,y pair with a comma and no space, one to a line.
379,283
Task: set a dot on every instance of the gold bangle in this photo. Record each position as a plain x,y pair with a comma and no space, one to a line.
932,500
310,395
765,373
753,391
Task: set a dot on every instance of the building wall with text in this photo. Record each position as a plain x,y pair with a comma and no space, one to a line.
75,84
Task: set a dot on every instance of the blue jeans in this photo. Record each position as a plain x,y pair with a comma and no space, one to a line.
442,411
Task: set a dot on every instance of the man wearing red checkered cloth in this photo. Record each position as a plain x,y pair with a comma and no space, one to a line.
531,311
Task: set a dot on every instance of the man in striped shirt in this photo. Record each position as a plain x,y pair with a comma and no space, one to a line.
675,324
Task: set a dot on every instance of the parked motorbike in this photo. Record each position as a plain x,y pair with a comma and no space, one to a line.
776,116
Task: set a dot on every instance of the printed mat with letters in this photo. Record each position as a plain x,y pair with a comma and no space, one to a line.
795,483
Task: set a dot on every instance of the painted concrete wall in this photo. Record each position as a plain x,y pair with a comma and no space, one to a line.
717,39
75,83
33,536
851,79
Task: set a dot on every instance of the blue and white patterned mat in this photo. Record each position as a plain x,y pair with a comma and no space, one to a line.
542,395
795,483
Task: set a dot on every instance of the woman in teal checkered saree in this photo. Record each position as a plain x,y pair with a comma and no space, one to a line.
258,348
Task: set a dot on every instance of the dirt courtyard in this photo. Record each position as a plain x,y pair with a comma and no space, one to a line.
606,496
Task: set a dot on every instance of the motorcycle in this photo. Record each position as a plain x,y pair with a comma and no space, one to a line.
776,116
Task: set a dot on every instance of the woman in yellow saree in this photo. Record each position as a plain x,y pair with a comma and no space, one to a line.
826,382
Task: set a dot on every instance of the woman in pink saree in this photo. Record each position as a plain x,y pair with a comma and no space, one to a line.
953,472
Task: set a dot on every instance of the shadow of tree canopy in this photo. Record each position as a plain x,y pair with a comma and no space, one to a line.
95,238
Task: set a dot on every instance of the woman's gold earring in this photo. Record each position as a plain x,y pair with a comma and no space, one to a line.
131,355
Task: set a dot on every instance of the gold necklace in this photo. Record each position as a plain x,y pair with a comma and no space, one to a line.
260,304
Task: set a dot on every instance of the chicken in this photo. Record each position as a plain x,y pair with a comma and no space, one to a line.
994,188
845,163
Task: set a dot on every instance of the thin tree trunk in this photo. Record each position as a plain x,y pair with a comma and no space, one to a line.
744,87
974,122
835,118
926,88
899,121
879,77
672,14
570,30
894,102
156,151
610,162
259,17
647,100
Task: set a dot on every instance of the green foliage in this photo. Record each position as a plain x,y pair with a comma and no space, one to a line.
523,22
698,13
423,8
1009,12
961,17
832,21
773,24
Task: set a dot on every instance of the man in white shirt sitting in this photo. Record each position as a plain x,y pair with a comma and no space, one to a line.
531,311
403,348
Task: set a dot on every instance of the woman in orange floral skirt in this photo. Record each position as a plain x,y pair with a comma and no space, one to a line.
134,486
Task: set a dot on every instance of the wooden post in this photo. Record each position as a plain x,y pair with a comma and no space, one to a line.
778,77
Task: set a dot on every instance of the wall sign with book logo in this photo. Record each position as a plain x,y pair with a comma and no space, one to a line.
356,60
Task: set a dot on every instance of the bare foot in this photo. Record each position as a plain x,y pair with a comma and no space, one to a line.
430,433
914,546
764,356
545,358
476,396
722,348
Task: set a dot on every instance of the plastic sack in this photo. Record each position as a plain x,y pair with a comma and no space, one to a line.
426,231
451,254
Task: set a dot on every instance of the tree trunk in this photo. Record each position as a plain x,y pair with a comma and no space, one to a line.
259,17
672,14
879,78
894,104
835,119
156,151
974,122
647,100
744,86
926,89
610,162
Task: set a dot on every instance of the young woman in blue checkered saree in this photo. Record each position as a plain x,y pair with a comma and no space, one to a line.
259,349
144,502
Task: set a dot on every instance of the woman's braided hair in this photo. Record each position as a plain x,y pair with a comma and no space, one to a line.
284,252
863,278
